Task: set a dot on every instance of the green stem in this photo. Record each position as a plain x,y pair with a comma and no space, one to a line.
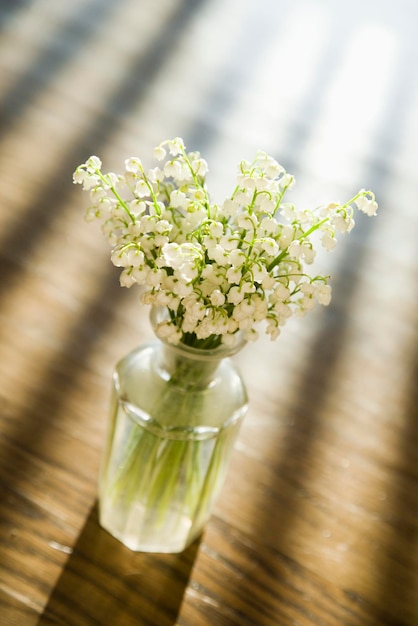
277,260
117,196
154,465
151,191
197,182
282,255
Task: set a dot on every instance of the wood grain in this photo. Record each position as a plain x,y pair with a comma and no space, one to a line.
317,524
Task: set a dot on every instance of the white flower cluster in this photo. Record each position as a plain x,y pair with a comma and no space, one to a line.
218,269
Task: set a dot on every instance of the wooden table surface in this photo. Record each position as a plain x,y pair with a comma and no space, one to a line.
318,522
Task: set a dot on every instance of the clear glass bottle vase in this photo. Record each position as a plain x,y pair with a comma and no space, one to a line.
175,415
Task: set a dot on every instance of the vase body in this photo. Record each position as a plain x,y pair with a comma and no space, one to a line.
175,415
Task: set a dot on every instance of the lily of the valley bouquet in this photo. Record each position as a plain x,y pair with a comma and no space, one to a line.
218,272
218,268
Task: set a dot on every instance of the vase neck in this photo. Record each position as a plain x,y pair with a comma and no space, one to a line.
185,364
188,367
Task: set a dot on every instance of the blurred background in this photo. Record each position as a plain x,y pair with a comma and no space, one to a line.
327,87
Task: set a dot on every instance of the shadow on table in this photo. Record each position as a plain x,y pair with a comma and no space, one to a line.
105,583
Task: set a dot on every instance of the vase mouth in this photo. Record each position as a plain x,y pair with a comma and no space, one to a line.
223,350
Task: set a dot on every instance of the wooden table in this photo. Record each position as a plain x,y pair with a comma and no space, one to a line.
318,522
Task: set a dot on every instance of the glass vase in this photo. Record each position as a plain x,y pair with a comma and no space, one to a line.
175,415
